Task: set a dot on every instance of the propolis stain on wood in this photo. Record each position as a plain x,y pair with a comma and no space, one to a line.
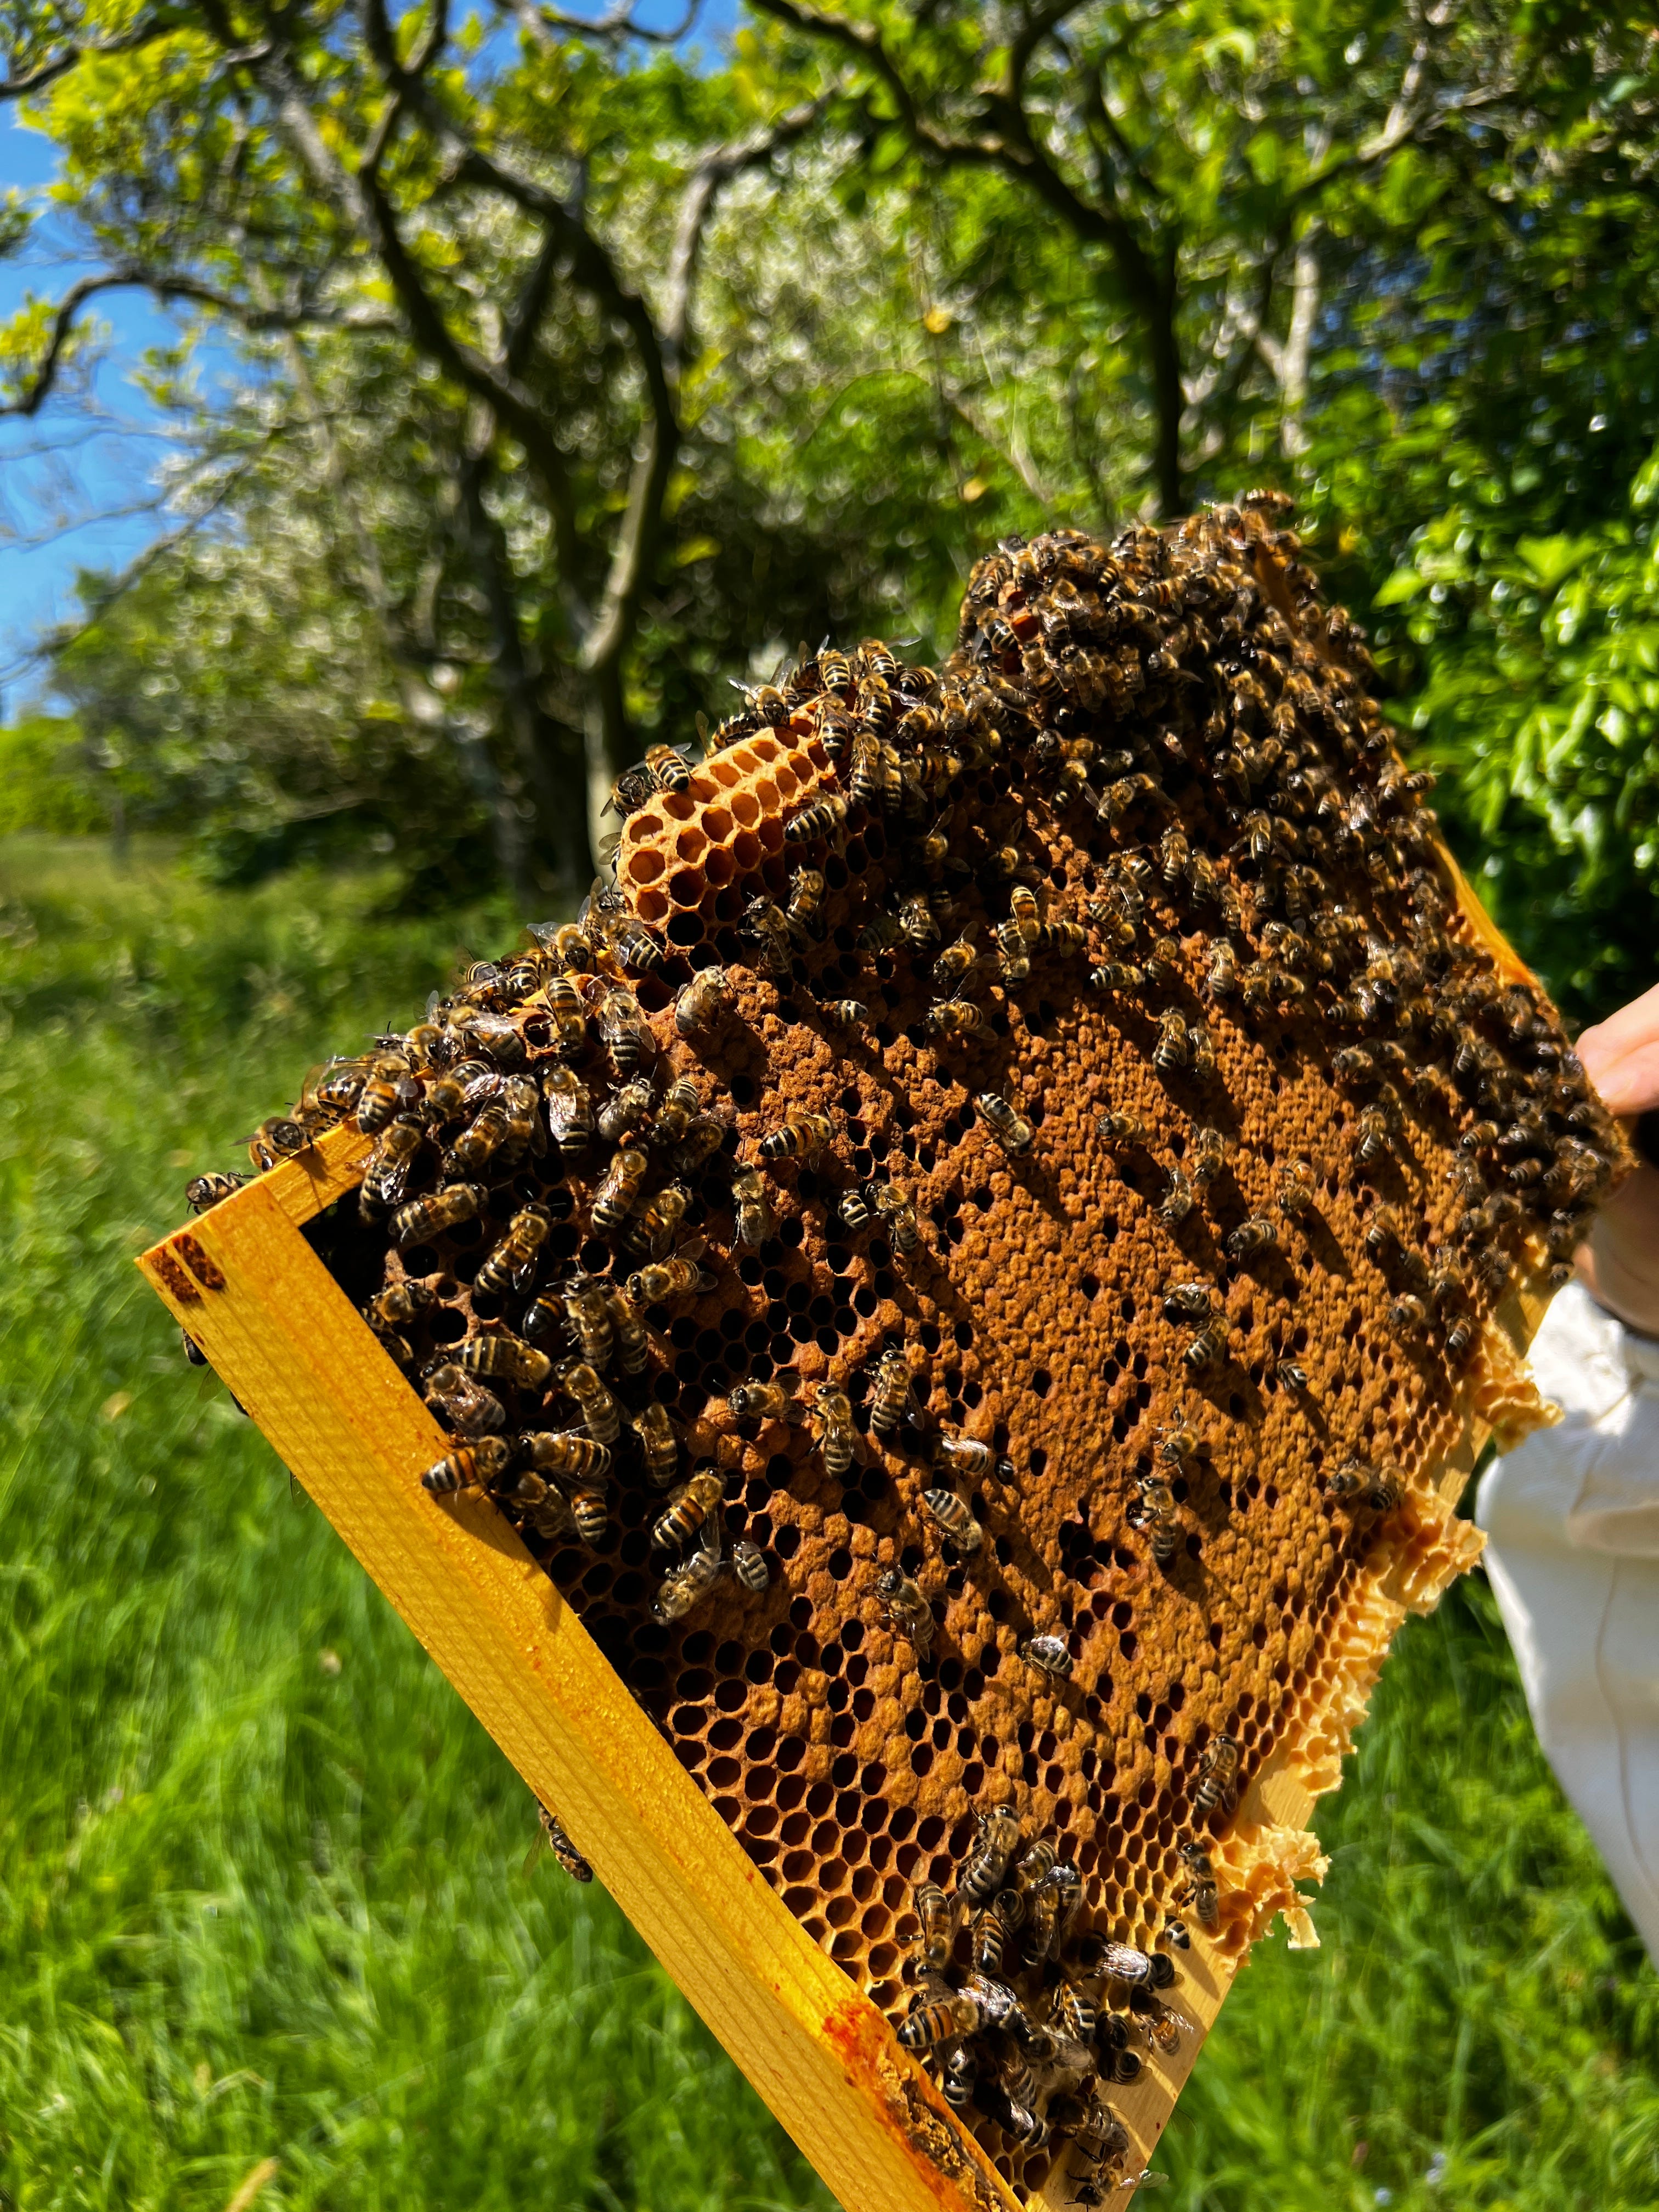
967,1264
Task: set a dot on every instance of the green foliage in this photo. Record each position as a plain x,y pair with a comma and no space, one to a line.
45,782
1538,697
1000,271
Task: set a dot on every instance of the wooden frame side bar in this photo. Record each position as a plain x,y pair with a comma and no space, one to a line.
284,1337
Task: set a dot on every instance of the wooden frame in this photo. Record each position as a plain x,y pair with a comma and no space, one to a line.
246,1286
283,1336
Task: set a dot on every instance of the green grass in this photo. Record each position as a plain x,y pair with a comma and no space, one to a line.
257,1905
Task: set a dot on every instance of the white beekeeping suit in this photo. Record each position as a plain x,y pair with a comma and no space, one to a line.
1572,1522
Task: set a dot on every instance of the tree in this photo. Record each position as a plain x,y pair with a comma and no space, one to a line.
315,179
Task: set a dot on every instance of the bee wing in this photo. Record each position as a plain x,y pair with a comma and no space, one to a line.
541,1845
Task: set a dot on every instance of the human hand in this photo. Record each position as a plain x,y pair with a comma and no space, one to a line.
1618,1262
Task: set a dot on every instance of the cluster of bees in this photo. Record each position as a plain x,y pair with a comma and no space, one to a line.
1028,2020
556,1177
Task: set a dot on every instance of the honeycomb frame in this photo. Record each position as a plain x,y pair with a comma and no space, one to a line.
793,1745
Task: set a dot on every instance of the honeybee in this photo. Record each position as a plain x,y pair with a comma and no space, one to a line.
569,1109
280,1137
588,1313
1010,1129
936,1911
1209,1347
499,1356
1256,1235
1379,1487
400,1304
686,1586
938,2021
1164,963
566,943
1202,1049
662,1280
805,911
967,1457
462,1404
1012,955
825,817
1173,853
954,1519
624,1030
379,1098
625,1110
908,1614
916,920
565,1003
658,1446
748,1564
705,1002
1023,912
853,1208
386,1175
767,1401
426,1218
802,1137
669,768
956,1017
559,1844
702,1141
845,1013
894,1204
653,1229
561,1452
955,961
1409,1315
1064,937
474,1467
619,1193
1208,1155
1201,1895
634,945
203,1191
1154,1510
689,1507
1188,1301
1375,1140
832,1425
1177,1443
1048,1655
1116,976
478,1142
764,925
1178,1200
1172,1049
755,1218
889,1401
511,1266
1121,1130
986,1865
631,792
880,935
1296,1190
1218,1786
677,1112
599,1409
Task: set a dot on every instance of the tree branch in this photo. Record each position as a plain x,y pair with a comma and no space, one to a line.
714,169
616,27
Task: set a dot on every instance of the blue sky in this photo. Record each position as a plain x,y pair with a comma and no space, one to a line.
69,484
60,470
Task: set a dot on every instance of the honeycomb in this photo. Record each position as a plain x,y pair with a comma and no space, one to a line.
1196,1222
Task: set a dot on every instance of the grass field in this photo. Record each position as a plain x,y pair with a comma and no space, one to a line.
261,1886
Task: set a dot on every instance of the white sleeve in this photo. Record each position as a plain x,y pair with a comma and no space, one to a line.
1572,1522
